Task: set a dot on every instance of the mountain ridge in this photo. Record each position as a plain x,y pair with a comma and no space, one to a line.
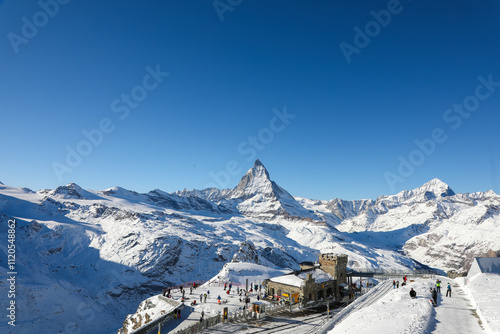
116,247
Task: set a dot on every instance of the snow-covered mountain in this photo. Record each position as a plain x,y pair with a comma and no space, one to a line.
87,258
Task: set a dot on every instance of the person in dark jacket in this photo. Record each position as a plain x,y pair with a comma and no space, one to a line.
413,293
434,297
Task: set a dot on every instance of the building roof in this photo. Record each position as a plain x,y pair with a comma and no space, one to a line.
489,264
485,265
296,279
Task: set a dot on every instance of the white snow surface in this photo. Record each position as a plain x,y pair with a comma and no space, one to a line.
149,310
484,293
394,313
397,313
240,272
318,275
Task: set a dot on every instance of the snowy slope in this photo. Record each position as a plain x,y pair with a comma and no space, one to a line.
431,224
484,293
397,313
88,258
394,313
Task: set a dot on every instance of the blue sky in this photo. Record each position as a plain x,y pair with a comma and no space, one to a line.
349,124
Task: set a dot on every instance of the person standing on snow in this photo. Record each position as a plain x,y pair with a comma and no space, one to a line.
397,284
413,293
448,290
434,296
394,284
438,286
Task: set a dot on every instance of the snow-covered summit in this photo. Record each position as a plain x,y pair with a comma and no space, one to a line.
120,192
434,189
257,182
259,196
70,191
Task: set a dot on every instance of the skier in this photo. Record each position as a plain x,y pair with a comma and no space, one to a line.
438,286
413,293
201,297
394,284
225,286
205,297
448,290
218,300
434,297
397,284
190,290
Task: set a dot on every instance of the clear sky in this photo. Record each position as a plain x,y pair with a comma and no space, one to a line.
331,95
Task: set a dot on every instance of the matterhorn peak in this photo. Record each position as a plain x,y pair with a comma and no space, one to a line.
257,182
259,168
258,163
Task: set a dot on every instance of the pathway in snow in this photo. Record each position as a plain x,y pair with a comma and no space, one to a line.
455,314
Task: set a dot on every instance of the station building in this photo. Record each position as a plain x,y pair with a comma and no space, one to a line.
313,282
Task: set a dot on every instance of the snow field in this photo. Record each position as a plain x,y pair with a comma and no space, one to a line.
150,309
396,312
484,293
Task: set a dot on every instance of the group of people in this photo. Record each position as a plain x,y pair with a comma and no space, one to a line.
395,283
434,292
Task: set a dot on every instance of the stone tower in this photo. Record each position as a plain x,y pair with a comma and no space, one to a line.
335,265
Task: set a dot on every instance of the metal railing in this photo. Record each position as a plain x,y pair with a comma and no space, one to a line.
233,317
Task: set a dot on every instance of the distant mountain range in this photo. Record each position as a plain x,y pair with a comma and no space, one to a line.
87,258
